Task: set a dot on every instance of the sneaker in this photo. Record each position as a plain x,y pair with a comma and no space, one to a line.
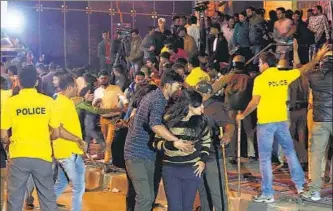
263,198
313,195
300,190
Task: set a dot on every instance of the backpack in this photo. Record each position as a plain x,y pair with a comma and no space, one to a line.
238,92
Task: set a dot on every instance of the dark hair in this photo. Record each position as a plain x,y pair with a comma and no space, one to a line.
66,81
52,66
299,12
253,9
165,55
13,69
319,8
90,79
151,28
141,92
59,73
170,77
173,47
242,13
194,61
310,10
282,9
177,66
181,61
272,15
136,31
119,68
175,17
28,77
105,32
168,41
103,73
261,11
217,26
139,73
289,14
193,20
269,58
180,109
4,84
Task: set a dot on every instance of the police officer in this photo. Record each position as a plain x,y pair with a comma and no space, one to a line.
30,116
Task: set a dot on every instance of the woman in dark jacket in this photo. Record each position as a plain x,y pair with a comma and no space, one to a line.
184,160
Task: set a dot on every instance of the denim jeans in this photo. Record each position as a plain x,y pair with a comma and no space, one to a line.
181,185
29,199
90,128
266,134
72,168
255,50
321,132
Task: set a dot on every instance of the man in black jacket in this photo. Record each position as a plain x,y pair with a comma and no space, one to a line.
321,83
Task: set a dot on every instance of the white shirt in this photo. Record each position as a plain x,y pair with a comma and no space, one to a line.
194,31
99,93
228,33
215,44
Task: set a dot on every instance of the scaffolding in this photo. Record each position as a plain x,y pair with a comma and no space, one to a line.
68,32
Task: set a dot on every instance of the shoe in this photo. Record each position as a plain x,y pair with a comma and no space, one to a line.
300,190
252,159
29,206
263,198
110,168
313,195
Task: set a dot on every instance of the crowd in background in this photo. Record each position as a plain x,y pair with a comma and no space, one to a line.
175,85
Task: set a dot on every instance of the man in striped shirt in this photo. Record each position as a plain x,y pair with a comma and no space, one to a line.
318,24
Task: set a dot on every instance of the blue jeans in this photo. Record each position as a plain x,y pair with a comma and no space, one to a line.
181,185
90,128
266,134
73,168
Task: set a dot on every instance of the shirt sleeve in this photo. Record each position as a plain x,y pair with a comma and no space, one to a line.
292,75
156,115
54,121
257,87
6,115
205,144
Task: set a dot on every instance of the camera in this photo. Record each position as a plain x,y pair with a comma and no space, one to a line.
124,31
201,6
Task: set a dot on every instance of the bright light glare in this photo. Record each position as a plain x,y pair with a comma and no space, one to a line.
14,21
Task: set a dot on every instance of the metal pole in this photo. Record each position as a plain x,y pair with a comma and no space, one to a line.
39,37
89,50
238,157
65,37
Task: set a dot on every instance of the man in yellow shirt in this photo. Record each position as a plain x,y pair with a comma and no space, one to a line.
29,115
270,93
67,152
196,73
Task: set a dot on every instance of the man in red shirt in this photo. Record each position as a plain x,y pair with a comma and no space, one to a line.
176,53
104,51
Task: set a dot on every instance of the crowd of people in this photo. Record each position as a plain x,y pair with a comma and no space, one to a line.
180,95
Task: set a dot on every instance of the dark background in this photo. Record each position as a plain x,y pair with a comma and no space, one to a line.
68,33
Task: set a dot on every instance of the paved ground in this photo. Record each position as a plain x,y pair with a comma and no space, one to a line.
108,201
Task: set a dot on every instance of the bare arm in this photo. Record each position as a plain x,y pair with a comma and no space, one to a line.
4,137
164,133
309,66
251,107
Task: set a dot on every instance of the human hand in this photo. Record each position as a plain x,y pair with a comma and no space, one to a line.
201,167
225,139
184,146
82,145
89,96
240,117
322,51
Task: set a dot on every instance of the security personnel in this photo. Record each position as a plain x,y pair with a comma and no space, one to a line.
270,93
29,115
67,152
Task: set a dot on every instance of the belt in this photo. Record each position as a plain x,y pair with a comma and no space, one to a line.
298,106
